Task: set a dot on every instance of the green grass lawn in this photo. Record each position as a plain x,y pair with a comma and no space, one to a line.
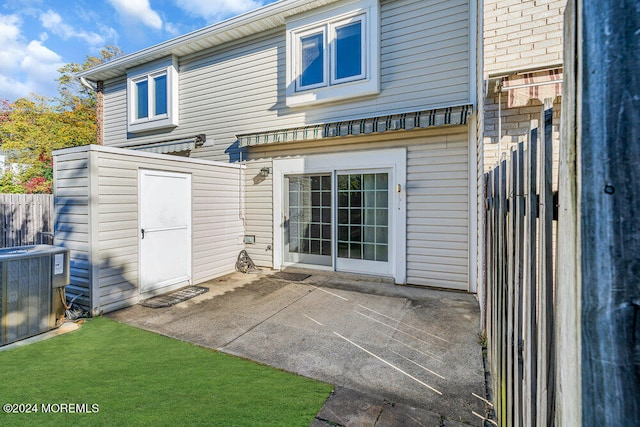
139,378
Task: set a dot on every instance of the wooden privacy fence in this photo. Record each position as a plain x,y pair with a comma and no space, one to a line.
520,281
27,219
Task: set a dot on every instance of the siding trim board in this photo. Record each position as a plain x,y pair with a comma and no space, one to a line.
94,211
452,116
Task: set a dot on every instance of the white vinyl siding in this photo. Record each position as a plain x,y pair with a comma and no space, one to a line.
241,88
258,195
115,110
437,192
71,176
438,213
112,247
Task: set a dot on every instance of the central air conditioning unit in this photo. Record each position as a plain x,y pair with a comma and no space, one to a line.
31,290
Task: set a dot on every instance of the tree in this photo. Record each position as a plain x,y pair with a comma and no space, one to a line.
31,128
71,91
9,183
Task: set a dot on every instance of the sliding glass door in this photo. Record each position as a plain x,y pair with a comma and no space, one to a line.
363,222
339,219
308,219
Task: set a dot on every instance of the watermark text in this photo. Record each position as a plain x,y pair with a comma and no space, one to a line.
51,408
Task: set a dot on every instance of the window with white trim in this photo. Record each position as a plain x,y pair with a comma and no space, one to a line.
333,54
152,97
349,51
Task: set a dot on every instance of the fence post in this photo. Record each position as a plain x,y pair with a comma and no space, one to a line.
518,209
502,291
608,202
546,356
568,292
530,277
509,290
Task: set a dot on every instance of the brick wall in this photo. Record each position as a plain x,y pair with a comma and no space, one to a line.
520,34
515,127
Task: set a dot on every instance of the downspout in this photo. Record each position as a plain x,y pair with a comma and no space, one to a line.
86,84
241,189
99,90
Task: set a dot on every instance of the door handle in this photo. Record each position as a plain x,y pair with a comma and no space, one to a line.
142,231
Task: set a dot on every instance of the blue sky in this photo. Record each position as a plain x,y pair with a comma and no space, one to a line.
39,36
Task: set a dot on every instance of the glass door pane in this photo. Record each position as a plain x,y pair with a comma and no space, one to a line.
363,216
308,219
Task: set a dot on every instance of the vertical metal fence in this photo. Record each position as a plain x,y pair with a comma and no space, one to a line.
27,219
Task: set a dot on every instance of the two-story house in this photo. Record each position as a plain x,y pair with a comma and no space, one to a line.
348,126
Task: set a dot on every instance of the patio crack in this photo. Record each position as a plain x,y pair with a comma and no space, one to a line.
266,318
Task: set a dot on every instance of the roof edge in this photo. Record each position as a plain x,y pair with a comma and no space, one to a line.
282,7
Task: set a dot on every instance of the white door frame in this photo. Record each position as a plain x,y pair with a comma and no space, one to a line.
359,265
172,282
288,257
394,159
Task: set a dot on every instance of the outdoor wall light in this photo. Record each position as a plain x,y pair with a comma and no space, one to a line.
200,139
265,171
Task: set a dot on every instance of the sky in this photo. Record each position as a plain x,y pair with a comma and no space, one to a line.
37,37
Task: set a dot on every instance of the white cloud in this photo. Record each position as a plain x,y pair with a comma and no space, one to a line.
26,67
9,29
37,53
171,29
12,89
216,10
53,22
138,10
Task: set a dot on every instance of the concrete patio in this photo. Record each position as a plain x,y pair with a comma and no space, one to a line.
397,355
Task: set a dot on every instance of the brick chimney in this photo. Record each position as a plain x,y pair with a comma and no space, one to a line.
100,112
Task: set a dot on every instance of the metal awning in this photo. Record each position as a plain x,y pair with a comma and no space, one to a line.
537,85
452,116
173,146
525,85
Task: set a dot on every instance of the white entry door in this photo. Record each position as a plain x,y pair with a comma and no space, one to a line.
165,229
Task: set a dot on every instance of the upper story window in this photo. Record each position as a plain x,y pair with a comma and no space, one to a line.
152,97
348,53
151,91
333,55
